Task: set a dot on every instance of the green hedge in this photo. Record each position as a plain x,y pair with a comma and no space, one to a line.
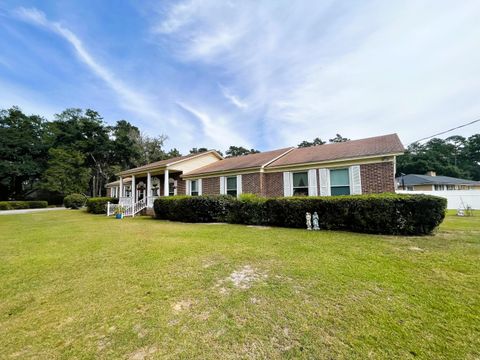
98,205
392,214
15,205
74,201
193,208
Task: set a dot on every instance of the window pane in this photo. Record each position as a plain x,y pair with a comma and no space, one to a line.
194,193
339,177
194,185
232,192
300,191
232,183
300,179
341,190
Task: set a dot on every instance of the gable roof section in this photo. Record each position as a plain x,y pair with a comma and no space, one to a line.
251,161
167,162
373,146
414,179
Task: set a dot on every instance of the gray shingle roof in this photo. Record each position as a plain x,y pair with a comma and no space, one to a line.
414,179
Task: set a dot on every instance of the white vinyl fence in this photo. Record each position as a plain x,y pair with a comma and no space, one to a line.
457,199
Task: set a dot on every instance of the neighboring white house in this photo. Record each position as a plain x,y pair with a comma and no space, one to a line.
460,193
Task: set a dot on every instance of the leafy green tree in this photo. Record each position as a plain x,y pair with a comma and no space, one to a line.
85,132
66,173
126,146
315,142
173,153
338,139
198,150
239,151
151,149
453,156
22,152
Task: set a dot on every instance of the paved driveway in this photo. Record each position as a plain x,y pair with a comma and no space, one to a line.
27,211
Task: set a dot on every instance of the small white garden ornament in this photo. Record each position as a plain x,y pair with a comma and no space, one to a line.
308,217
315,221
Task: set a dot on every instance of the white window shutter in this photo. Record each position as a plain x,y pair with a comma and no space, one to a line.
312,183
324,175
239,184
287,184
222,185
355,180
189,187
199,186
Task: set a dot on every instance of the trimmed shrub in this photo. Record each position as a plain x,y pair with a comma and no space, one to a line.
391,214
247,209
74,201
193,208
98,205
16,205
37,204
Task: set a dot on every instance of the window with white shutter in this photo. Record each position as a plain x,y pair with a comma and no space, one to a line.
287,183
355,180
324,177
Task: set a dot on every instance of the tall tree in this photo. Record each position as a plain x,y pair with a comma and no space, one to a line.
66,172
239,151
198,150
338,139
85,132
126,147
22,152
315,142
151,149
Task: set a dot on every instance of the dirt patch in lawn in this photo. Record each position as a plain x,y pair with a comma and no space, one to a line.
182,305
242,279
143,353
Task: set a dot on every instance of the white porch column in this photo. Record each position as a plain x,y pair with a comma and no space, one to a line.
149,188
134,190
121,187
165,184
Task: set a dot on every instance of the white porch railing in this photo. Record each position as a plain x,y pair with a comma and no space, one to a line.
151,200
125,201
130,209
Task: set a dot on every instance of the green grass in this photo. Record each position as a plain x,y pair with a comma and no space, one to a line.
74,285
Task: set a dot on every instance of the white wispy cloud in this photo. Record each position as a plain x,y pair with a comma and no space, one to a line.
317,68
234,99
129,98
215,128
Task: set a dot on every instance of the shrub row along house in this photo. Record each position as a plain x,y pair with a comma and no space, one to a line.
362,166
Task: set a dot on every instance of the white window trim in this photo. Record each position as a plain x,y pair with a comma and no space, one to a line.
238,188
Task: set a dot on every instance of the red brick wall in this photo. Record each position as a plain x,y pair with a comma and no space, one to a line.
251,183
211,186
377,178
273,184
181,185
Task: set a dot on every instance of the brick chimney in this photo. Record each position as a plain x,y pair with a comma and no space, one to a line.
431,173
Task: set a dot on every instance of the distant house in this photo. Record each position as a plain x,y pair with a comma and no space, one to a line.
432,182
362,166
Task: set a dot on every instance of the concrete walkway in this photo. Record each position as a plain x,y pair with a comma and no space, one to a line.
28,211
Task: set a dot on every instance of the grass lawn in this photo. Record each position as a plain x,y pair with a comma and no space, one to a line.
74,285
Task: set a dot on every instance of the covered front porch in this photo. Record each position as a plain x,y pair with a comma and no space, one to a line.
138,188
145,187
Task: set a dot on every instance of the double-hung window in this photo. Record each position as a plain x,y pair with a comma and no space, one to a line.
339,182
194,188
300,183
232,185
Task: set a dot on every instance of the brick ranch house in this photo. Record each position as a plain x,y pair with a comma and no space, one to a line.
362,166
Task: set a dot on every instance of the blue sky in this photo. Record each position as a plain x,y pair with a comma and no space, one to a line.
259,74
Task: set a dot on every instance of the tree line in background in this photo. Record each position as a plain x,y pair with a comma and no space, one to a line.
454,156
79,152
